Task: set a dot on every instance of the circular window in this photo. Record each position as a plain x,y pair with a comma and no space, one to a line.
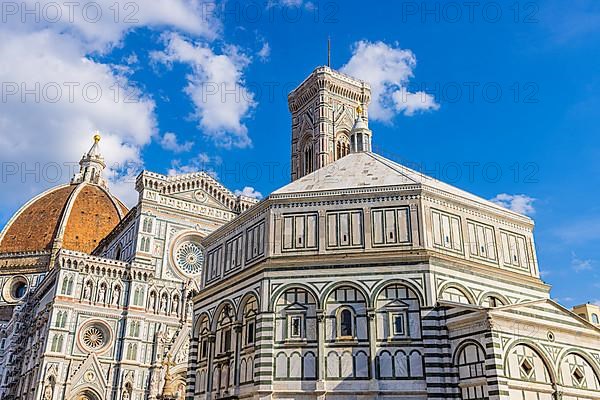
15,289
189,258
19,290
94,336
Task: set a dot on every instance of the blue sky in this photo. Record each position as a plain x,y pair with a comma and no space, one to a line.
508,109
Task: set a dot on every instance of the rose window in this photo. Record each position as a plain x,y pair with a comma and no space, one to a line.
93,338
190,258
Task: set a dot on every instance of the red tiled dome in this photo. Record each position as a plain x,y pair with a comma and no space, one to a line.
79,215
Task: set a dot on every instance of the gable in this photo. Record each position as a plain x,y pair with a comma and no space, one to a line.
548,312
200,196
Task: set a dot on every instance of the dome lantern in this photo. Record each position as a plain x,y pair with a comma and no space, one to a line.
91,166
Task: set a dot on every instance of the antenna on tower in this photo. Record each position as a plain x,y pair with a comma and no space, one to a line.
329,52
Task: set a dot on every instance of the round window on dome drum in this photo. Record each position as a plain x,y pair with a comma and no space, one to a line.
15,289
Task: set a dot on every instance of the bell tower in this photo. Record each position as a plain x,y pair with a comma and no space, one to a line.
324,110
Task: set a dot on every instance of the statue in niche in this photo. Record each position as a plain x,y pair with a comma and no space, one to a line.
163,304
48,392
87,291
116,295
175,306
102,293
190,309
152,304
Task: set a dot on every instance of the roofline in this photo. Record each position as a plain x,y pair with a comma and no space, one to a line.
553,302
327,69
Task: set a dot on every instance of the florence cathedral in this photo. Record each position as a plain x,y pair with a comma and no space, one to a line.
361,279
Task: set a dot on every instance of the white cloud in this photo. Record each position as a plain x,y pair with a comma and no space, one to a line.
388,70
170,142
284,3
216,87
71,96
249,191
519,203
131,59
54,54
201,162
545,273
101,24
579,264
264,52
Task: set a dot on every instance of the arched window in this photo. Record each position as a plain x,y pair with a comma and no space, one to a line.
342,145
147,225
57,343
65,285
470,362
70,286
455,294
492,301
136,297
308,159
134,329
345,323
132,351
118,252
595,319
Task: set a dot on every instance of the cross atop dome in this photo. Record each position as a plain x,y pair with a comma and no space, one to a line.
92,165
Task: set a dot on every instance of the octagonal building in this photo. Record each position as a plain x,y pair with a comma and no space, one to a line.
364,279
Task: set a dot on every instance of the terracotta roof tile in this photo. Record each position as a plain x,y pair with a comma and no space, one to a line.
93,216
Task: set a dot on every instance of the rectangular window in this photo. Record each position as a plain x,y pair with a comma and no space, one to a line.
398,324
226,341
446,231
232,253
204,353
299,232
296,327
391,226
514,250
250,333
344,229
482,242
255,239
